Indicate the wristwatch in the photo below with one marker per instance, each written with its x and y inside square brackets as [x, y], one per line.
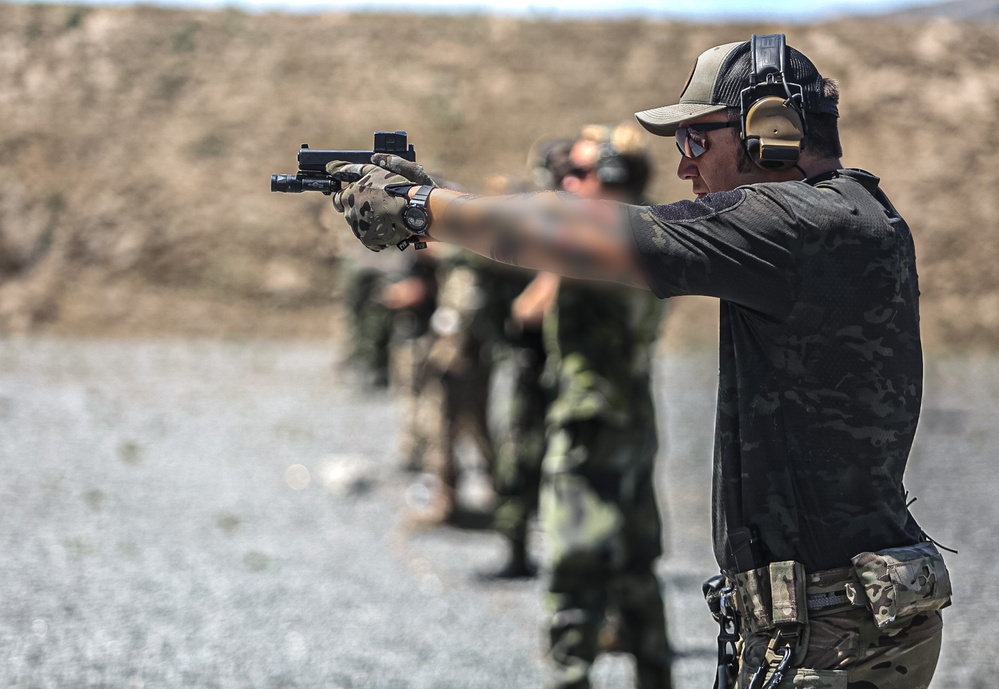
[416, 216]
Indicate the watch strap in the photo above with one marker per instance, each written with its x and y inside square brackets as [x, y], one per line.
[421, 196]
[419, 200]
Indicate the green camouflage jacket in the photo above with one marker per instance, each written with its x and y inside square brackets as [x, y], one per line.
[599, 343]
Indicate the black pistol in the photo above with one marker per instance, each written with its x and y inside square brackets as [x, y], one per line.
[312, 164]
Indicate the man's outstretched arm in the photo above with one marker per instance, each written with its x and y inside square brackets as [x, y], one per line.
[548, 231]
[558, 233]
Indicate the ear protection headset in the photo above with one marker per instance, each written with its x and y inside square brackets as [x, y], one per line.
[771, 108]
[610, 166]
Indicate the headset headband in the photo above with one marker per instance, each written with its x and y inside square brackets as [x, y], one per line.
[769, 54]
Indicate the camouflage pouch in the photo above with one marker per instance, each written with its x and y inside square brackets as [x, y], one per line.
[772, 596]
[753, 589]
[904, 581]
[789, 604]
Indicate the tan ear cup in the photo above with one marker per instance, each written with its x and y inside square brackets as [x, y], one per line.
[773, 133]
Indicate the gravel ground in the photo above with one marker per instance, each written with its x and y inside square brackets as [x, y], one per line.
[178, 514]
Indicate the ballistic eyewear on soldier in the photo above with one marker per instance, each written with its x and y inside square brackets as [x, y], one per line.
[691, 140]
[580, 172]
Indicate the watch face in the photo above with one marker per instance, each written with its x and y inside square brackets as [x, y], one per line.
[415, 218]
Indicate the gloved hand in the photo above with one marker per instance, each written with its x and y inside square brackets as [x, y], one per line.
[372, 201]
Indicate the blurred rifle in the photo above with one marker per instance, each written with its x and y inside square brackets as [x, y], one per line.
[312, 164]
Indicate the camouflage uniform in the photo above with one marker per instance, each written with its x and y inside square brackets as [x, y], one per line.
[598, 507]
[409, 362]
[819, 392]
[517, 477]
[454, 382]
[370, 321]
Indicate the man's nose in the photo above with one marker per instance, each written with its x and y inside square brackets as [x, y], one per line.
[687, 169]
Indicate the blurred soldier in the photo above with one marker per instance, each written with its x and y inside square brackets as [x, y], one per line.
[370, 322]
[413, 300]
[517, 477]
[362, 278]
[454, 383]
[598, 506]
[451, 367]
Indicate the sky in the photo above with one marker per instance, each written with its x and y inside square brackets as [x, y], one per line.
[693, 10]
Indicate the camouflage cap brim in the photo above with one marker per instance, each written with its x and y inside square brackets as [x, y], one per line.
[665, 120]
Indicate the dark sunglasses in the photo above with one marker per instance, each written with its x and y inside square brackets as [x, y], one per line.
[579, 172]
[691, 140]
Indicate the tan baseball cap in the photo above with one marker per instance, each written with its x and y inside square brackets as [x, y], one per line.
[718, 77]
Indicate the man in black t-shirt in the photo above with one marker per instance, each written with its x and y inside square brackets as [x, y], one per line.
[820, 359]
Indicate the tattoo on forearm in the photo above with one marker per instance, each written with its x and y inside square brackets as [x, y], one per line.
[556, 232]
[505, 249]
[500, 220]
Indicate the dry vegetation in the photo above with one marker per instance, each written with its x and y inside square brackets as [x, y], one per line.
[136, 146]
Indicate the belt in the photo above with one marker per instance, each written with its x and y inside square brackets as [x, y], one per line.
[833, 590]
[800, 595]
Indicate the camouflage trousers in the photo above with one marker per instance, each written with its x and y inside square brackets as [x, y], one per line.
[603, 532]
[517, 478]
[449, 394]
[409, 372]
[374, 335]
[370, 323]
[846, 650]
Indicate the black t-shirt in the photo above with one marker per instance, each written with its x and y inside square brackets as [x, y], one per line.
[820, 376]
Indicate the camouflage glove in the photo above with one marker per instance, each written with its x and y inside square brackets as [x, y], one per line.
[400, 166]
[372, 201]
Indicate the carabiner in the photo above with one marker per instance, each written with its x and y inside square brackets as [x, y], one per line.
[761, 673]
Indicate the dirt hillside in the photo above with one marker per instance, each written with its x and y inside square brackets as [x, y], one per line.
[136, 146]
